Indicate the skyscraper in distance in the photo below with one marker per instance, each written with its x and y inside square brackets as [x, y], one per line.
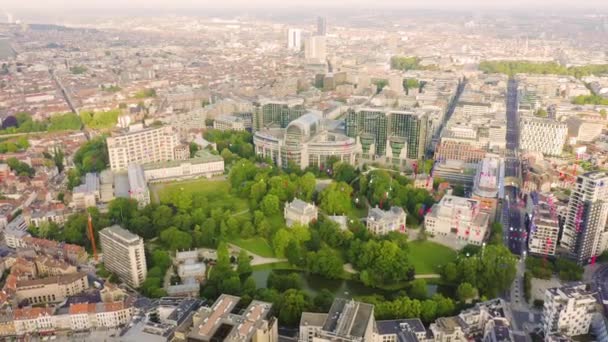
[315, 49]
[294, 39]
[321, 26]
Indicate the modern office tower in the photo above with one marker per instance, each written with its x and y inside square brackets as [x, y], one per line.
[585, 234]
[315, 49]
[294, 39]
[458, 217]
[123, 254]
[305, 142]
[142, 145]
[395, 135]
[321, 26]
[489, 176]
[277, 114]
[382, 222]
[347, 320]
[542, 135]
[568, 310]
[544, 230]
[138, 186]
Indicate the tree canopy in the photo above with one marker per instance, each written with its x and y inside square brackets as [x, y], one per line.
[552, 68]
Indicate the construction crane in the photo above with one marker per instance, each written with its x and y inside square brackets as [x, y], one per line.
[92, 236]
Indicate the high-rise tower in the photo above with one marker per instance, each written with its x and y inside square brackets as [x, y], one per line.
[321, 26]
[585, 234]
[294, 39]
[123, 254]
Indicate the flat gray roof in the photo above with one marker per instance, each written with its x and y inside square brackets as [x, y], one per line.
[121, 233]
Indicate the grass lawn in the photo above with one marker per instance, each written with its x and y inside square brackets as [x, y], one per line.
[216, 189]
[358, 212]
[277, 221]
[426, 256]
[256, 245]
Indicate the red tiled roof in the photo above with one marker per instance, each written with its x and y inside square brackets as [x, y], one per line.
[31, 313]
[81, 308]
[116, 306]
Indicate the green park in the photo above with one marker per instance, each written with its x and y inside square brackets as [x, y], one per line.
[302, 267]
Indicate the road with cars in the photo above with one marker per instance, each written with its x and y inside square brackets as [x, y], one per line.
[514, 231]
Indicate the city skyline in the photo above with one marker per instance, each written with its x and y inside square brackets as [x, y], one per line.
[303, 171]
[144, 5]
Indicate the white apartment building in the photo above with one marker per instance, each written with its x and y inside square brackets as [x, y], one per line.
[315, 49]
[33, 320]
[84, 316]
[14, 232]
[542, 135]
[585, 233]
[138, 187]
[300, 212]
[294, 39]
[229, 123]
[382, 222]
[142, 145]
[347, 320]
[459, 218]
[447, 329]
[568, 310]
[400, 330]
[123, 254]
[51, 289]
[544, 231]
[253, 324]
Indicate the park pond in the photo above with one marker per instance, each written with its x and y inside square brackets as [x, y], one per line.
[313, 284]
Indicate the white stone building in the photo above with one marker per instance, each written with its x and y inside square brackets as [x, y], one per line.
[459, 218]
[202, 165]
[382, 222]
[299, 212]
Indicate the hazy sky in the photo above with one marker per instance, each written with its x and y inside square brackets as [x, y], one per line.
[58, 5]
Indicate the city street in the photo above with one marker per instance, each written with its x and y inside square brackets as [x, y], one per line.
[600, 280]
[514, 231]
